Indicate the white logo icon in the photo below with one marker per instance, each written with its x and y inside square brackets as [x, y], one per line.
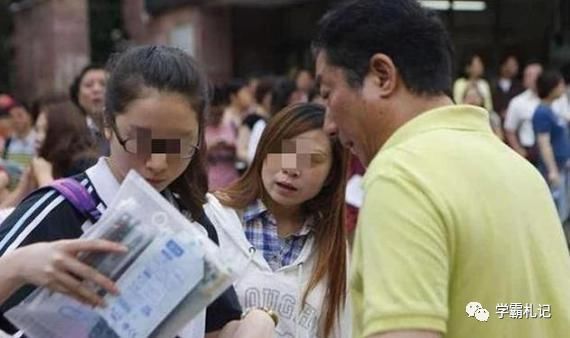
[472, 307]
[482, 315]
[475, 309]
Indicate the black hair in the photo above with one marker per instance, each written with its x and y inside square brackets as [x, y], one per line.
[234, 86]
[29, 109]
[281, 94]
[76, 84]
[264, 87]
[546, 83]
[505, 57]
[467, 61]
[353, 32]
[165, 69]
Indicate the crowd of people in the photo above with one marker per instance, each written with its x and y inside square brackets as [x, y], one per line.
[365, 200]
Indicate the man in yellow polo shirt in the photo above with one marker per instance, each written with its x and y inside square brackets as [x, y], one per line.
[458, 235]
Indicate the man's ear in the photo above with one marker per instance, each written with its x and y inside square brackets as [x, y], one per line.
[384, 73]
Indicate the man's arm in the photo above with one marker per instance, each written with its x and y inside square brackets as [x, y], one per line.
[513, 141]
[547, 156]
[407, 334]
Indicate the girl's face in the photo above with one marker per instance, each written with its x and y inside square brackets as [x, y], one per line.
[41, 130]
[92, 91]
[476, 67]
[298, 173]
[159, 130]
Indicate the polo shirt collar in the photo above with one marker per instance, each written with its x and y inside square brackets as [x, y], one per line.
[103, 181]
[451, 117]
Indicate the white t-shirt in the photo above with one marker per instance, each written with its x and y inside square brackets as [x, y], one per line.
[520, 111]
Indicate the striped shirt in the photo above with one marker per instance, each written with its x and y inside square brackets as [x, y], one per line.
[47, 216]
[261, 232]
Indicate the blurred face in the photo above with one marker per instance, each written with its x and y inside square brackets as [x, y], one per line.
[21, 119]
[350, 110]
[243, 98]
[92, 91]
[305, 81]
[298, 173]
[157, 128]
[531, 73]
[476, 68]
[510, 68]
[558, 91]
[41, 130]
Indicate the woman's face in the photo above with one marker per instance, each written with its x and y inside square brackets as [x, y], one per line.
[160, 129]
[92, 91]
[41, 130]
[476, 68]
[298, 173]
[244, 98]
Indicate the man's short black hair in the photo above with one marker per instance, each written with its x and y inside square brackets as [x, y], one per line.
[546, 83]
[413, 37]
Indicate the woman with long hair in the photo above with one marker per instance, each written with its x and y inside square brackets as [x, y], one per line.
[284, 221]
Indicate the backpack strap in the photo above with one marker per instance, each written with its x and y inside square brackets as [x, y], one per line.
[78, 196]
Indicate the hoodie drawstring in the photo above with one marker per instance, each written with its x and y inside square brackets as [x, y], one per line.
[300, 305]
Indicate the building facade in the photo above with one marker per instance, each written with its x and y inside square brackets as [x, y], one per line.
[53, 39]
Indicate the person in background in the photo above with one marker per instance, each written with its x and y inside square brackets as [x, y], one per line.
[240, 100]
[87, 92]
[507, 85]
[565, 70]
[553, 140]
[5, 119]
[474, 70]
[518, 119]
[64, 148]
[260, 114]
[305, 83]
[20, 148]
[283, 94]
[475, 98]
[220, 142]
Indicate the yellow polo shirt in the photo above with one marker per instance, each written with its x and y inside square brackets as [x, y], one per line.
[452, 216]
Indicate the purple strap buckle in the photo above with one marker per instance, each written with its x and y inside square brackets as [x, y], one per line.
[78, 196]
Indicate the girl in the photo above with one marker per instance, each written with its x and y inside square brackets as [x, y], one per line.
[474, 97]
[285, 217]
[156, 96]
[473, 74]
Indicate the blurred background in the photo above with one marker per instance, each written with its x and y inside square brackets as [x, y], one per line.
[257, 55]
[45, 43]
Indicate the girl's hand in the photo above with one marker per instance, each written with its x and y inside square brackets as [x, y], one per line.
[55, 266]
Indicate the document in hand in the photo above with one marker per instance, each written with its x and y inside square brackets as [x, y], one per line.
[170, 273]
